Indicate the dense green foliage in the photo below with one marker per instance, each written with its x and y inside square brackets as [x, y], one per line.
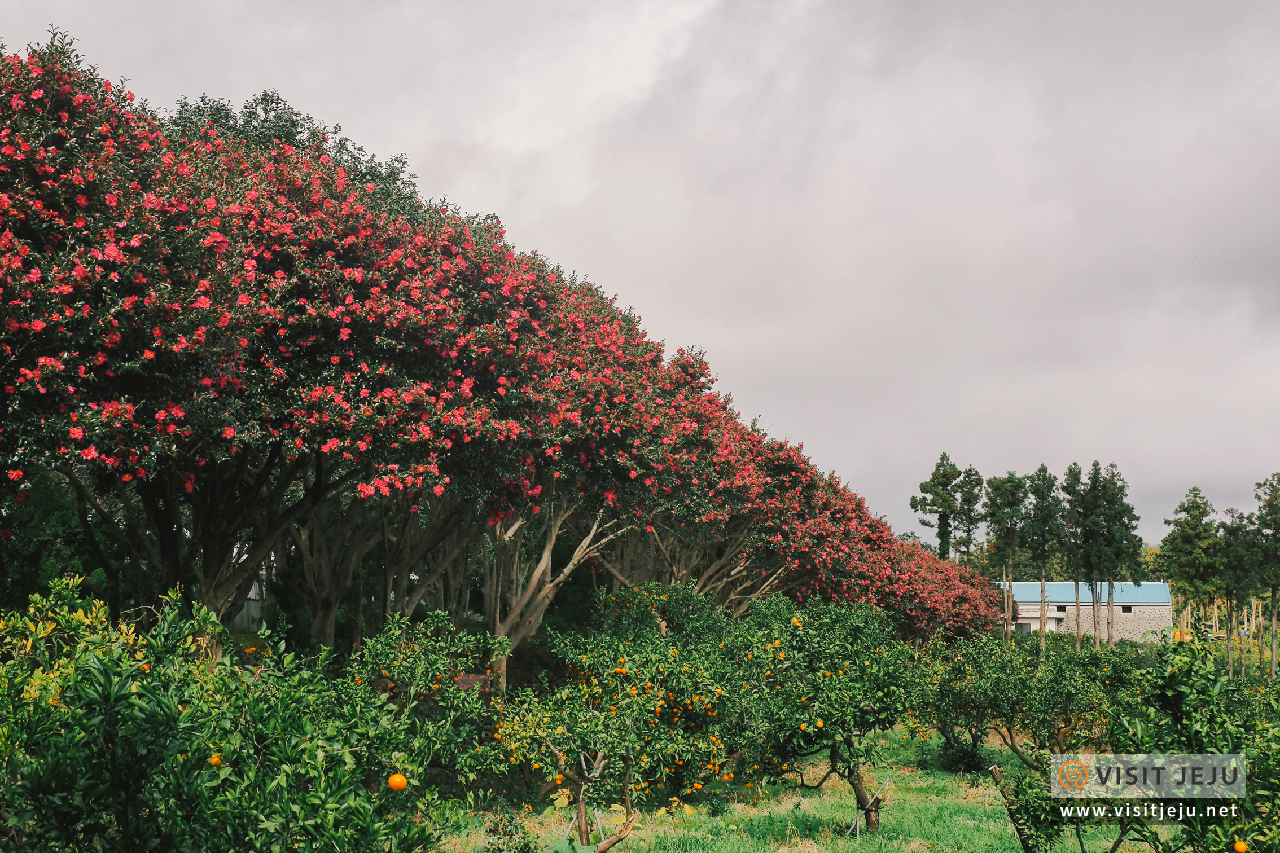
[1186, 704]
[115, 739]
[175, 738]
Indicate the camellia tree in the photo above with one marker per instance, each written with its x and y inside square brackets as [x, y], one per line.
[209, 341]
[254, 355]
[707, 533]
[606, 417]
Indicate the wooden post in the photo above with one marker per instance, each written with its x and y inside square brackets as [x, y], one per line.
[1259, 629]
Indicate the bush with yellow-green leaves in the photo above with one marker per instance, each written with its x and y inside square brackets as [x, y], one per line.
[112, 738]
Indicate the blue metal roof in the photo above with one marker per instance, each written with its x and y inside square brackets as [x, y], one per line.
[1064, 592]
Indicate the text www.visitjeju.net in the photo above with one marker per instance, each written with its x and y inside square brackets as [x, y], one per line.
[1153, 811]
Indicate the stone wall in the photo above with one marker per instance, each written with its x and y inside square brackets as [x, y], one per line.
[1128, 626]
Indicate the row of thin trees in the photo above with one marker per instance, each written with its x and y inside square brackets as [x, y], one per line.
[1225, 568]
[1080, 528]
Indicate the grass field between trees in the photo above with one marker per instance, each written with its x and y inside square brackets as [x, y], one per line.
[927, 809]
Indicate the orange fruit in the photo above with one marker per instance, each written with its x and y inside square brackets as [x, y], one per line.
[215, 760]
[1241, 847]
[397, 782]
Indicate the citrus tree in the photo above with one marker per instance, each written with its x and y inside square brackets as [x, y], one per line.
[641, 714]
[1186, 704]
[118, 740]
[816, 680]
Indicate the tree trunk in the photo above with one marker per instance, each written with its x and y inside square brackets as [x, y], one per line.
[869, 808]
[1258, 629]
[520, 583]
[580, 812]
[997, 775]
[322, 623]
[1078, 625]
[357, 638]
[331, 544]
[944, 536]
[1008, 600]
[110, 568]
[1111, 613]
[1044, 616]
[1097, 616]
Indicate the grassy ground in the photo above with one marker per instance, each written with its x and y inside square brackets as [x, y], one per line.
[926, 809]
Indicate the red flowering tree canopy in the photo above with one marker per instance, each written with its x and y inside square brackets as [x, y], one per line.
[219, 332]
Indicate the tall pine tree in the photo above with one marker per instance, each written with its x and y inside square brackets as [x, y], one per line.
[936, 502]
[1005, 510]
[1044, 530]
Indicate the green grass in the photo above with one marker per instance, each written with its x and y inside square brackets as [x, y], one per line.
[926, 810]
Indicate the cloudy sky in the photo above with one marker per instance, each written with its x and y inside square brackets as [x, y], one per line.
[1017, 232]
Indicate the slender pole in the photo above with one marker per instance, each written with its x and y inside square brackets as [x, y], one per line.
[1272, 633]
[1258, 629]
[1231, 668]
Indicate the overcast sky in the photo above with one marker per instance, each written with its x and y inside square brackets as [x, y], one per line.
[1017, 232]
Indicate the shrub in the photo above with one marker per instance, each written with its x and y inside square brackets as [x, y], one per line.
[1183, 704]
[119, 740]
[505, 832]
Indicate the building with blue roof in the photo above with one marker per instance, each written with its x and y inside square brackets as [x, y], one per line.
[1141, 611]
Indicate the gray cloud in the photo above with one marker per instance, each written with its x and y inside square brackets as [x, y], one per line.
[1017, 232]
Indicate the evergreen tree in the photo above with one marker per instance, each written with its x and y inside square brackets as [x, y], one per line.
[1189, 551]
[968, 517]
[1073, 518]
[1119, 548]
[1005, 511]
[1238, 566]
[937, 500]
[1268, 495]
[1044, 530]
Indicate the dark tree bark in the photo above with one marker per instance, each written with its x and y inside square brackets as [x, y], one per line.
[869, 806]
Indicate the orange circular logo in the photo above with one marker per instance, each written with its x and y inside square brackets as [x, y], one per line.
[1073, 775]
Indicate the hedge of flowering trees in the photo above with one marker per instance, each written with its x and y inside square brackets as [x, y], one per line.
[248, 354]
